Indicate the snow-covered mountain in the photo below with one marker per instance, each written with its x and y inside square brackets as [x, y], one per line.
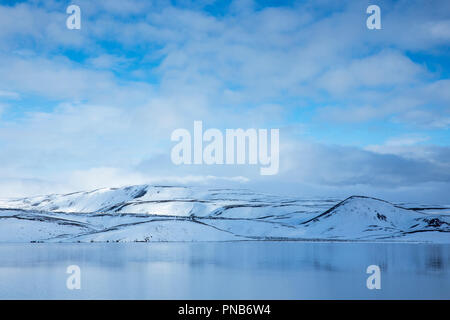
[168, 213]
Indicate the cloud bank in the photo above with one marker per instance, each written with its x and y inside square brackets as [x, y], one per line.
[358, 111]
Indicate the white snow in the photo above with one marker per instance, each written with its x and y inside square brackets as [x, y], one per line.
[165, 213]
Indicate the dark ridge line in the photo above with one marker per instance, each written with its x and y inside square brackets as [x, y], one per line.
[205, 224]
[48, 212]
[345, 200]
[428, 208]
[50, 220]
[118, 227]
[246, 219]
[167, 218]
[422, 230]
[91, 191]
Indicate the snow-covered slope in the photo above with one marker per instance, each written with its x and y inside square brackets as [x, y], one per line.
[369, 218]
[167, 213]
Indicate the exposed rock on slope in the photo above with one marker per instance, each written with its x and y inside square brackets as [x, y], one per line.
[165, 213]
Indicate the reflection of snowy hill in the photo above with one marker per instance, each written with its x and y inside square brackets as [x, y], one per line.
[164, 213]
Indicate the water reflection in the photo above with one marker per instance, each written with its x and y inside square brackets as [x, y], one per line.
[239, 270]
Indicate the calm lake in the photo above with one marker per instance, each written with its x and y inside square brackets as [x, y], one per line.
[225, 270]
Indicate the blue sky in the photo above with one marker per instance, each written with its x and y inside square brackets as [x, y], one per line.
[359, 111]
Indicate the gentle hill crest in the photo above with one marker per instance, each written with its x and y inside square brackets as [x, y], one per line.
[172, 213]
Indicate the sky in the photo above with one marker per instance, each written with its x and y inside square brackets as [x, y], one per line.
[360, 111]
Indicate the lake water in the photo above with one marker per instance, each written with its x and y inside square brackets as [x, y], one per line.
[225, 270]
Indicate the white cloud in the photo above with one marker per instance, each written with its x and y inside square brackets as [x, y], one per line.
[440, 29]
[388, 167]
[108, 61]
[2, 108]
[385, 69]
[247, 67]
[9, 95]
[59, 78]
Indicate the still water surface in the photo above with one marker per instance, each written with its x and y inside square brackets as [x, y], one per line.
[225, 270]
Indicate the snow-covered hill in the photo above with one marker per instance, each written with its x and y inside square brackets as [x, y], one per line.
[168, 213]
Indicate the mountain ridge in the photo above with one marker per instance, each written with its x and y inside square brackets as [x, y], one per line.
[179, 213]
